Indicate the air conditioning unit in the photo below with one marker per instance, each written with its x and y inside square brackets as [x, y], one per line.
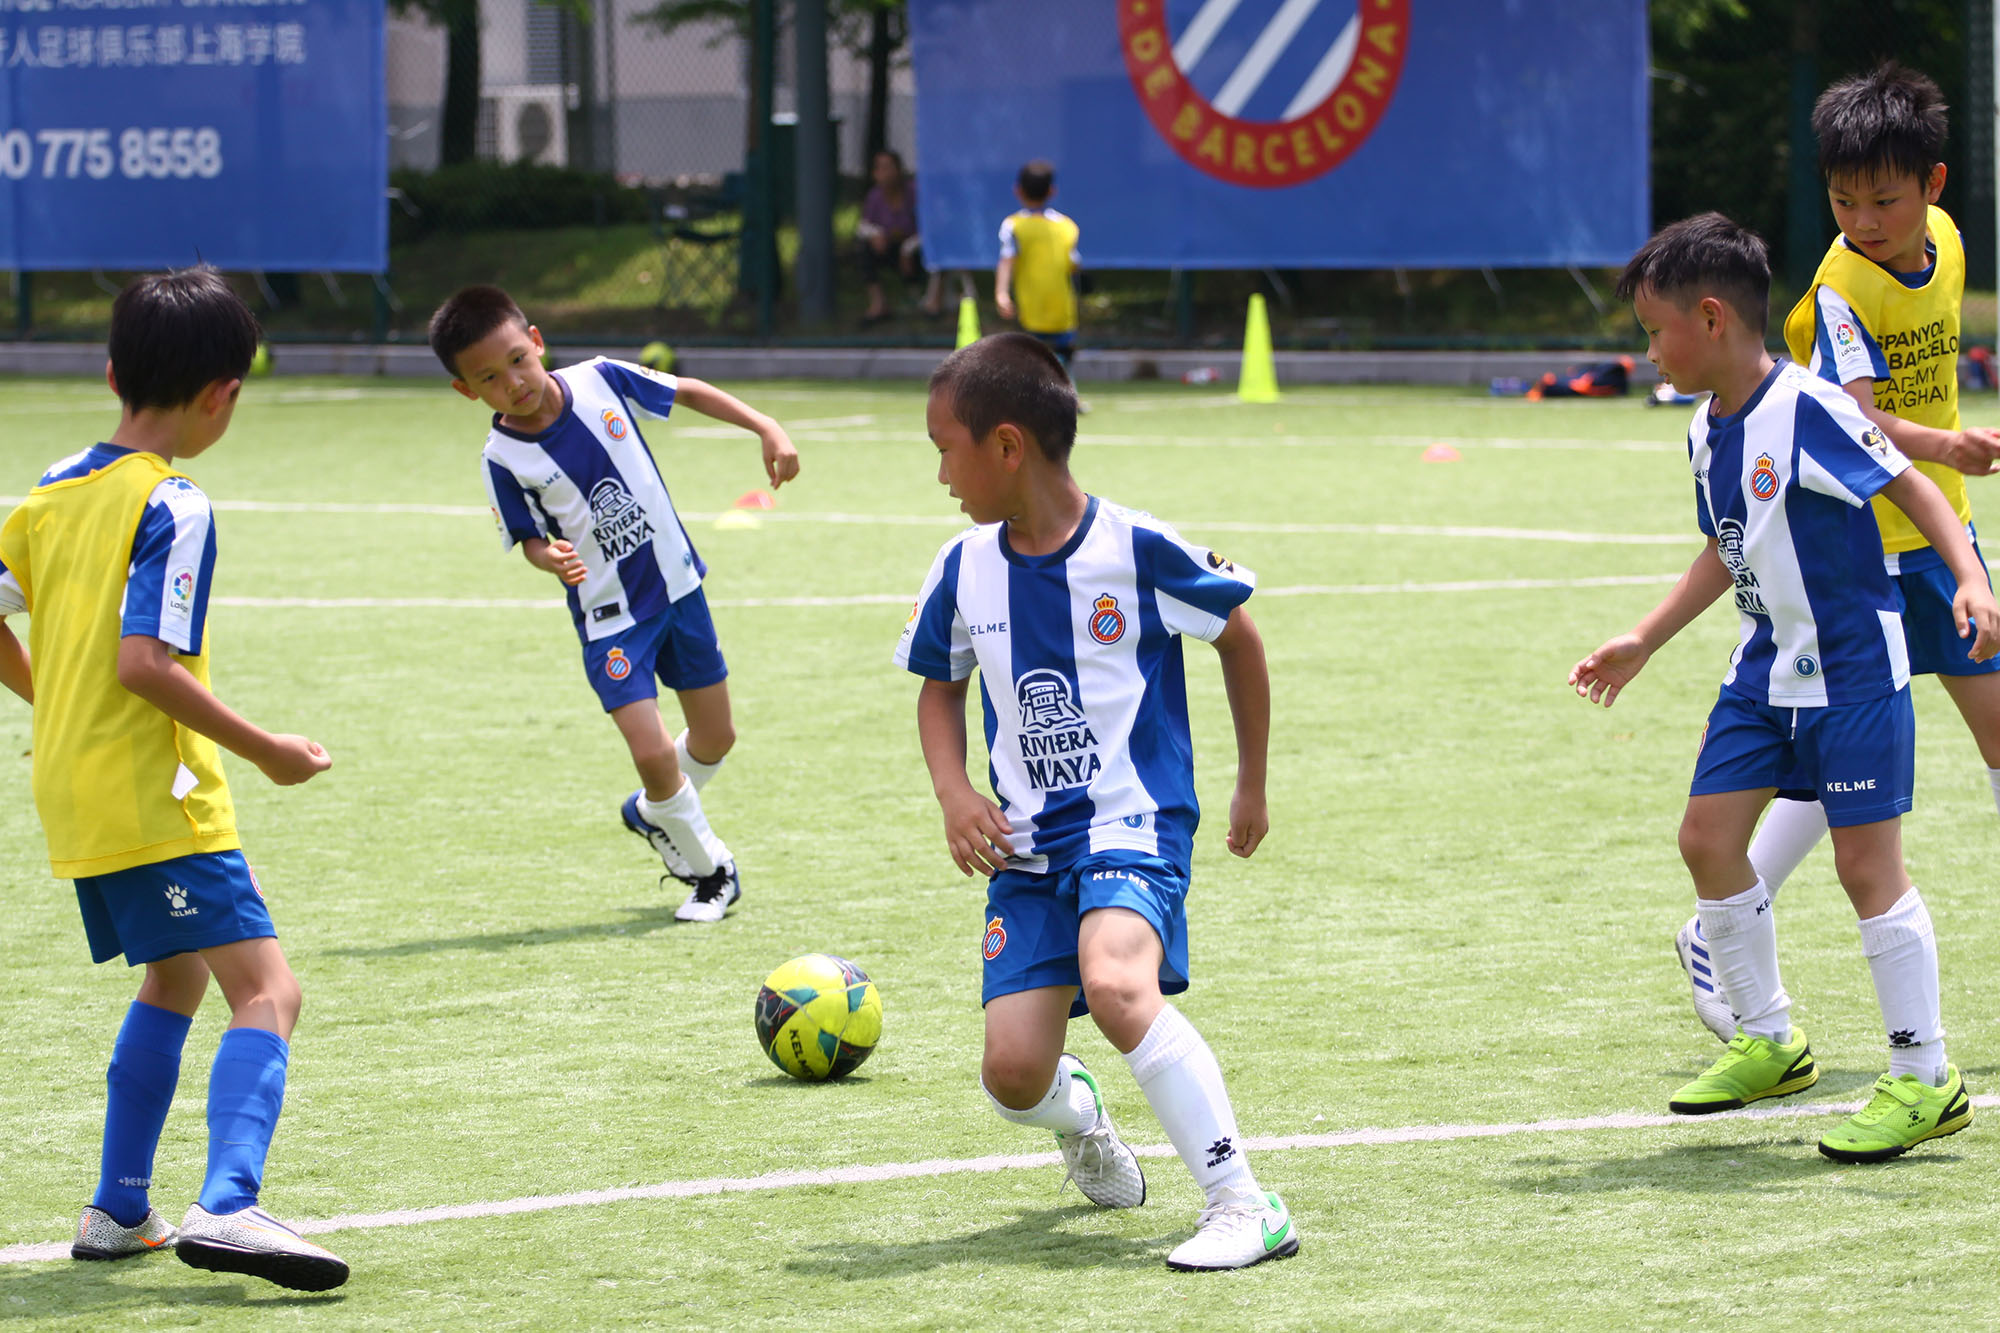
[530, 124]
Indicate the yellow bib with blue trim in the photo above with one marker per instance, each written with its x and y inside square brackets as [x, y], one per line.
[1917, 330]
[117, 782]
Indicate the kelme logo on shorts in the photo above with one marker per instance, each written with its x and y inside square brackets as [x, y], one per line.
[1231, 132]
[996, 939]
[617, 665]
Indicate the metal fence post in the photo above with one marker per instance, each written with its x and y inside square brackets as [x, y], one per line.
[815, 166]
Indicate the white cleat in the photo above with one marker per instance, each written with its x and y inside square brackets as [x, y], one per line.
[252, 1241]
[657, 838]
[711, 896]
[98, 1235]
[1100, 1163]
[1236, 1234]
[1691, 947]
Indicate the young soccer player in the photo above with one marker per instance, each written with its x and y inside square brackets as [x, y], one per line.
[111, 556]
[1072, 609]
[572, 481]
[1036, 275]
[1881, 321]
[1817, 697]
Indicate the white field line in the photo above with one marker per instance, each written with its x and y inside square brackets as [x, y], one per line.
[41, 1252]
[900, 599]
[1089, 439]
[1562, 535]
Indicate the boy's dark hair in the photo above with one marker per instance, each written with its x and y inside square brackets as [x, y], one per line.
[1011, 377]
[468, 315]
[1036, 180]
[174, 334]
[1891, 119]
[1705, 255]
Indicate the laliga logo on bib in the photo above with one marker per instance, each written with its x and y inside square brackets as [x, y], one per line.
[1299, 98]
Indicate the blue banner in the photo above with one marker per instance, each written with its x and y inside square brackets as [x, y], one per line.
[1289, 133]
[140, 134]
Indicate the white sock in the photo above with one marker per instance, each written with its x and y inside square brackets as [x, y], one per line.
[1070, 1107]
[1183, 1085]
[1742, 935]
[1993, 780]
[1901, 950]
[697, 772]
[681, 816]
[1789, 831]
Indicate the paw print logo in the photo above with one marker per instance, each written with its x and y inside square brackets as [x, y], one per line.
[177, 897]
[1903, 1037]
[1916, 1116]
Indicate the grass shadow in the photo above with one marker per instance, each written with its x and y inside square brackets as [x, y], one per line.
[1712, 1169]
[1032, 1240]
[62, 1289]
[640, 921]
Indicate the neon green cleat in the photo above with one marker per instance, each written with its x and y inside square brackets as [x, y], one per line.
[1902, 1113]
[1752, 1069]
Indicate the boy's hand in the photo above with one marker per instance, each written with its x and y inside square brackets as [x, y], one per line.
[1610, 669]
[562, 561]
[1005, 304]
[781, 459]
[293, 759]
[1249, 820]
[975, 832]
[1978, 618]
[1973, 451]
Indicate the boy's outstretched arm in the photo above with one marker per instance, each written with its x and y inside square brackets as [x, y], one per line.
[781, 460]
[975, 829]
[146, 666]
[1973, 450]
[1247, 681]
[14, 671]
[1600, 676]
[1973, 607]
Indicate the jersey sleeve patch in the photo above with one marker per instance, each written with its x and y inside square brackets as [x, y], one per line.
[1843, 348]
[1841, 453]
[1195, 587]
[936, 642]
[173, 563]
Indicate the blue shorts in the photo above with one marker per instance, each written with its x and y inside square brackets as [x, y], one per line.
[1857, 760]
[156, 911]
[1935, 648]
[678, 646]
[1032, 920]
[1062, 344]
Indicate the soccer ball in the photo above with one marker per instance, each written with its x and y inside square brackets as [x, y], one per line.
[656, 356]
[818, 1017]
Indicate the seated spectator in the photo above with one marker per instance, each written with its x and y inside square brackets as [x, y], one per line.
[888, 235]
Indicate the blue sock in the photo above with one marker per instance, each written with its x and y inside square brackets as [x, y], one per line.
[246, 1089]
[145, 1069]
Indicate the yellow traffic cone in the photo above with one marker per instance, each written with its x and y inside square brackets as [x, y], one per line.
[1259, 381]
[968, 322]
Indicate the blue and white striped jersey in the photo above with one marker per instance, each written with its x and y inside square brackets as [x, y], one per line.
[1783, 486]
[590, 480]
[1080, 677]
[173, 557]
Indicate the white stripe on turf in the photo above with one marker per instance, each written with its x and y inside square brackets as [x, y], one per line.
[902, 598]
[868, 1175]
